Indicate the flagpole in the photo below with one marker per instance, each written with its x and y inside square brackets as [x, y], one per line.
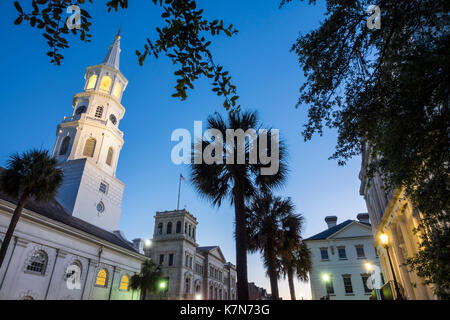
[179, 189]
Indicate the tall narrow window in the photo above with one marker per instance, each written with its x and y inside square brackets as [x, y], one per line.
[64, 146]
[117, 90]
[329, 286]
[161, 259]
[364, 278]
[105, 84]
[160, 228]
[38, 262]
[169, 228]
[171, 259]
[109, 157]
[89, 147]
[178, 230]
[347, 284]
[102, 278]
[92, 82]
[99, 112]
[124, 283]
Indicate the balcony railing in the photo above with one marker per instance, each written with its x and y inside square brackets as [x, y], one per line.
[86, 117]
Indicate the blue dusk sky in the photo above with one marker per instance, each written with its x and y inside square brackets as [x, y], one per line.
[37, 95]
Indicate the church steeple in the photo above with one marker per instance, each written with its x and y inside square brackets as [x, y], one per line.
[113, 56]
[88, 144]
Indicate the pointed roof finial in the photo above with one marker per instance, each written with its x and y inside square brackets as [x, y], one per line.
[113, 56]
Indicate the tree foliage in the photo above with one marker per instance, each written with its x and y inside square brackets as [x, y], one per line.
[389, 88]
[147, 280]
[183, 38]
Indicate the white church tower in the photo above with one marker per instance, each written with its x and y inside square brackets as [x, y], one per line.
[88, 145]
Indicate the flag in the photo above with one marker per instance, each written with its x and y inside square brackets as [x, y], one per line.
[182, 178]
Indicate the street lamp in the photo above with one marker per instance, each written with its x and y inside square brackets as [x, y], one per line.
[198, 297]
[326, 278]
[148, 243]
[385, 241]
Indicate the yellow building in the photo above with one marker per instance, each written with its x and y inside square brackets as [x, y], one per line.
[393, 215]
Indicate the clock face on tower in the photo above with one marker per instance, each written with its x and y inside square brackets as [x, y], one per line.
[113, 119]
[100, 207]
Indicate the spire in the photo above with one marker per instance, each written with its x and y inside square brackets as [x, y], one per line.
[113, 56]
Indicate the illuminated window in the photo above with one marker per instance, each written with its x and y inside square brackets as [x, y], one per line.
[89, 147]
[124, 283]
[92, 82]
[38, 262]
[102, 278]
[99, 112]
[105, 84]
[117, 90]
[109, 157]
[64, 146]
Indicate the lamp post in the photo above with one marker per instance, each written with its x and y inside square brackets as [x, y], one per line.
[385, 240]
[162, 286]
[371, 270]
[326, 278]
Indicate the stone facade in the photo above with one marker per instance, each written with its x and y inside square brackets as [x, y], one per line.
[193, 272]
[393, 214]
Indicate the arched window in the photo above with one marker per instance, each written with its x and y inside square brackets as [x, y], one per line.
[109, 157]
[105, 84]
[102, 278]
[169, 228]
[73, 270]
[64, 146]
[189, 230]
[99, 112]
[124, 283]
[92, 82]
[160, 228]
[38, 262]
[89, 147]
[80, 110]
[117, 90]
[178, 227]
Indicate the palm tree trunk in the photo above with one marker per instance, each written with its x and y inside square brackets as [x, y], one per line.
[273, 276]
[290, 274]
[12, 226]
[241, 244]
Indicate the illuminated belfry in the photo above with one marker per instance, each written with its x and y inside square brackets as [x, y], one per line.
[88, 145]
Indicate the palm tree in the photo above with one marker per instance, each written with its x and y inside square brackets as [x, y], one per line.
[267, 218]
[237, 182]
[34, 174]
[295, 256]
[148, 279]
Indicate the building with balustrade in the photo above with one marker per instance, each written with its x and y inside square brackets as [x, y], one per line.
[392, 213]
[192, 271]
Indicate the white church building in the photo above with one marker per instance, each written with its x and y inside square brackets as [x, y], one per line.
[70, 247]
